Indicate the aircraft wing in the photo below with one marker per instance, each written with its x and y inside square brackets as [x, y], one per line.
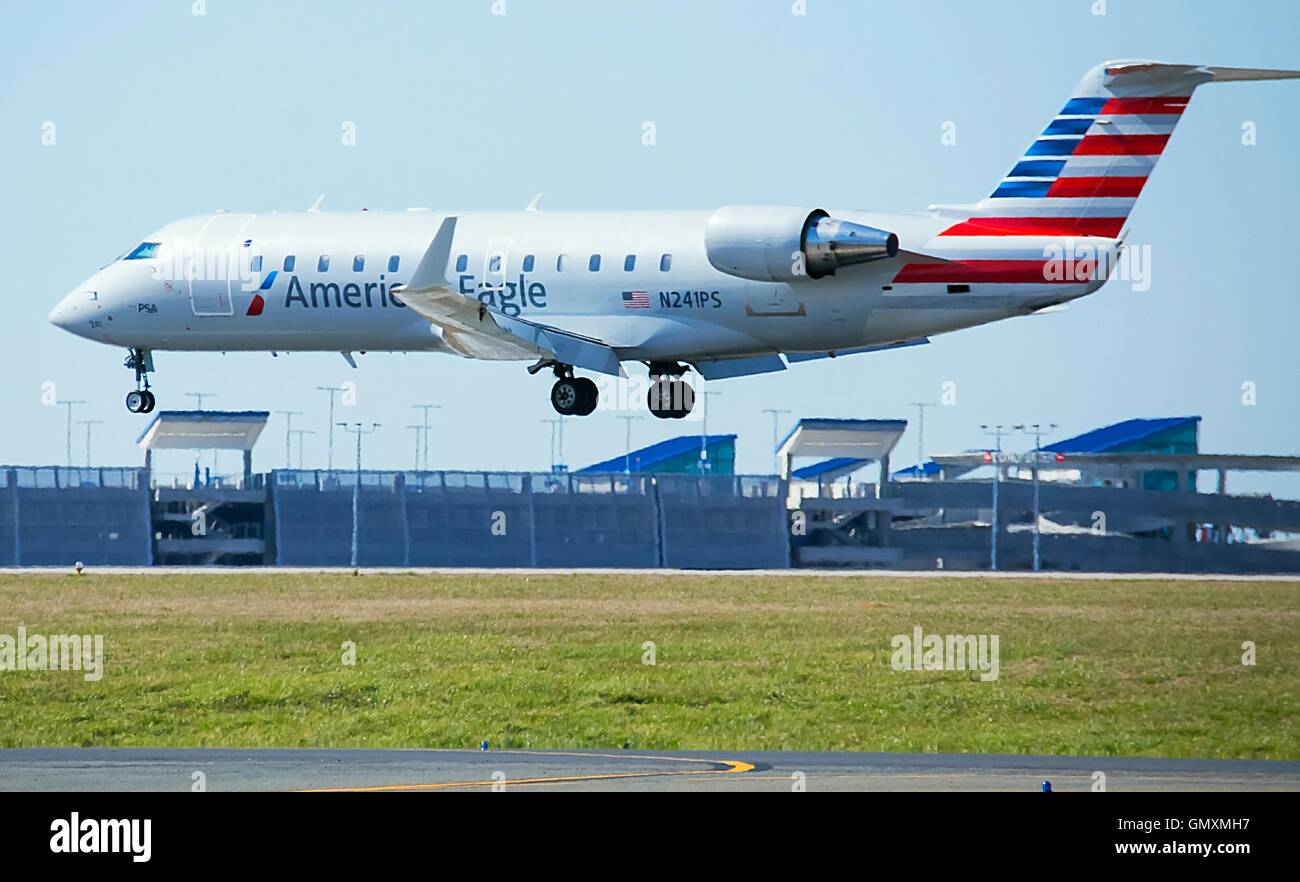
[474, 330]
[462, 324]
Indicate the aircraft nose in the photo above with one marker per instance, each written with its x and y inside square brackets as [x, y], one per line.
[70, 312]
[61, 316]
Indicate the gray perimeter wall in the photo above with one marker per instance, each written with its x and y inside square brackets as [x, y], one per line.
[486, 519]
[55, 516]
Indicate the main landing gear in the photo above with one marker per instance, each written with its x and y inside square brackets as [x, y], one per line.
[141, 400]
[571, 396]
[670, 397]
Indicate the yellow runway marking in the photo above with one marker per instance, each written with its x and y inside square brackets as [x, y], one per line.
[733, 767]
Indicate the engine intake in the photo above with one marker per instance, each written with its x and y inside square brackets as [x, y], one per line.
[779, 244]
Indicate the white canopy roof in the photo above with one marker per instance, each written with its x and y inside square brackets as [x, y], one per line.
[859, 439]
[204, 430]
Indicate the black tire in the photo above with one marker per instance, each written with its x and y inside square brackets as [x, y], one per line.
[149, 402]
[590, 396]
[566, 396]
[135, 402]
[683, 400]
[658, 399]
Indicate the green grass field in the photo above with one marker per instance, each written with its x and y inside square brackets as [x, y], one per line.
[555, 661]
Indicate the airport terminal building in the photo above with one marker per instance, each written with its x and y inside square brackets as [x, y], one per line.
[1121, 498]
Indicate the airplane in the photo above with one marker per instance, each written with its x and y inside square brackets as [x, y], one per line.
[738, 291]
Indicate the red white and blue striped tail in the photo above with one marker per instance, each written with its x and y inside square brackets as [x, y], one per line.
[1084, 173]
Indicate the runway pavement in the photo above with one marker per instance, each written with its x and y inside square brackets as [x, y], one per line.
[130, 769]
[1050, 576]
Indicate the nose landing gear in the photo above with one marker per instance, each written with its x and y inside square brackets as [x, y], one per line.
[141, 400]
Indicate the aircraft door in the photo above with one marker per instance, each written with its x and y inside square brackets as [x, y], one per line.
[214, 271]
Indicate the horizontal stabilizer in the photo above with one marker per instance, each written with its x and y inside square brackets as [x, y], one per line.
[1231, 74]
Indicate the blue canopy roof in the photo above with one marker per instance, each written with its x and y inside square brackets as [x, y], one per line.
[1121, 434]
[647, 457]
[929, 469]
[829, 468]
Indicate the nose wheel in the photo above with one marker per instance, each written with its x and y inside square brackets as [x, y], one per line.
[141, 400]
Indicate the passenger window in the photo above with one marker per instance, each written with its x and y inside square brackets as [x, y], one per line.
[358, 263]
[528, 263]
[494, 264]
[289, 262]
[665, 263]
[143, 251]
[594, 263]
[629, 263]
[255, 264]
[393, 263]
[562, 263]
[462, 262]
[323, 265]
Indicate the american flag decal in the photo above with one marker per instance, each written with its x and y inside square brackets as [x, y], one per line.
[636, 300]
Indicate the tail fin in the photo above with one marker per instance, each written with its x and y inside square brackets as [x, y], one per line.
[1083, 174]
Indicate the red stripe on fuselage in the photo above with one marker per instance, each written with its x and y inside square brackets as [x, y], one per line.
[1088, 187]
[1107, 227]
[1167, 105]
[1034, 272]
[1121, 145]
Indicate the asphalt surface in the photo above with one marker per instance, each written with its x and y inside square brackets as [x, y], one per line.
[1049, 576]
[131, 769]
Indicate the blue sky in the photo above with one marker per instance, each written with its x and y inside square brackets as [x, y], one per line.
[160, 113]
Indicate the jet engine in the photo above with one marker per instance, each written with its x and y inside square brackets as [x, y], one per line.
[778, 244]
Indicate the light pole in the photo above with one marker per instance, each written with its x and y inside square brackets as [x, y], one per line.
[88, 424]
[1036, 430]
[418, 428]
[425, 425]
[332, 390]
[704, 431]
[996, 431]
[69, 405]
[300, 433]
[288, 432]
[553, 423]
[356, 429]
[627, 443]
[776, 416]
[920, 436]
[199, 396]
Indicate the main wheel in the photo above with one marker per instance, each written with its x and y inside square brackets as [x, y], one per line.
[590, 396]
[670, 399]
[149, 401]
[135, 401]
[566, 396]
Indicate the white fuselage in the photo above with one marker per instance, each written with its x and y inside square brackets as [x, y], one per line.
[538, 265]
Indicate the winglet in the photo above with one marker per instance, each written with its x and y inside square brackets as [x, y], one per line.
[315, 206]
[532, 206]
[432, 271]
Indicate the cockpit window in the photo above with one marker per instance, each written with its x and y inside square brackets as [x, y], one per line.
[143, 251]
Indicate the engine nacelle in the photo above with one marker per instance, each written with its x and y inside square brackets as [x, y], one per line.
[780, 244]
